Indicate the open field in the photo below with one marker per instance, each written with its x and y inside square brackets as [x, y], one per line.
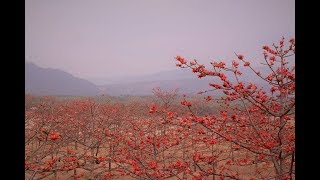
[81, 138]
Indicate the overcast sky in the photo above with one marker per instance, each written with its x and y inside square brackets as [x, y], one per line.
[106, 38]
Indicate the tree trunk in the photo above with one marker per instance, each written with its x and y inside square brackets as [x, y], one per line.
[55, 167]
[75, 169]
[91, 164]
[110, 157]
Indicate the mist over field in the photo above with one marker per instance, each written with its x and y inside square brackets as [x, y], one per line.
[48, 81]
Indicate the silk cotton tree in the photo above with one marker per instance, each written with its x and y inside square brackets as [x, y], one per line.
[259, 121]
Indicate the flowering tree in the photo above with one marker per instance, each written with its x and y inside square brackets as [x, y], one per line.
[258, 123]
[43, 138]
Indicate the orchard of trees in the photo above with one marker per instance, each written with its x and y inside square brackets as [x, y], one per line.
[247, 133]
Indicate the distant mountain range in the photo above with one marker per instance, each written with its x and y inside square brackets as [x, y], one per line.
[47, 81]
[176, 74]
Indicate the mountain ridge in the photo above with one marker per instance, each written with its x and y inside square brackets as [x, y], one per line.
[49, 81]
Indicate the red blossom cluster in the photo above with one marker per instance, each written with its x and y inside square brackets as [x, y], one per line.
[54, 135]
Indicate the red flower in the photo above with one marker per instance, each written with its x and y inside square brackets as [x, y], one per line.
[223, 112]
[153, 109]
[54, 136]
[201, 75]
[240, 56]
[272, 58]
[273, 89]
[246, 64]
[179, 164]
[213, 141]
[217, 86]
[272, 51]
[222, 76]
[153, 164]
[292, 40]
[181, 59]
[192, 63]
[265, 54]
[265, 48]
[195, 70]
[186, 103]
[270, 144]
[235, 64]
[219, 65]
[281, 43]
[178, 58]
[270, 77]
[238, 72]
[226, 84]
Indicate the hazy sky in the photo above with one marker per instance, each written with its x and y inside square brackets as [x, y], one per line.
[104, 38]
